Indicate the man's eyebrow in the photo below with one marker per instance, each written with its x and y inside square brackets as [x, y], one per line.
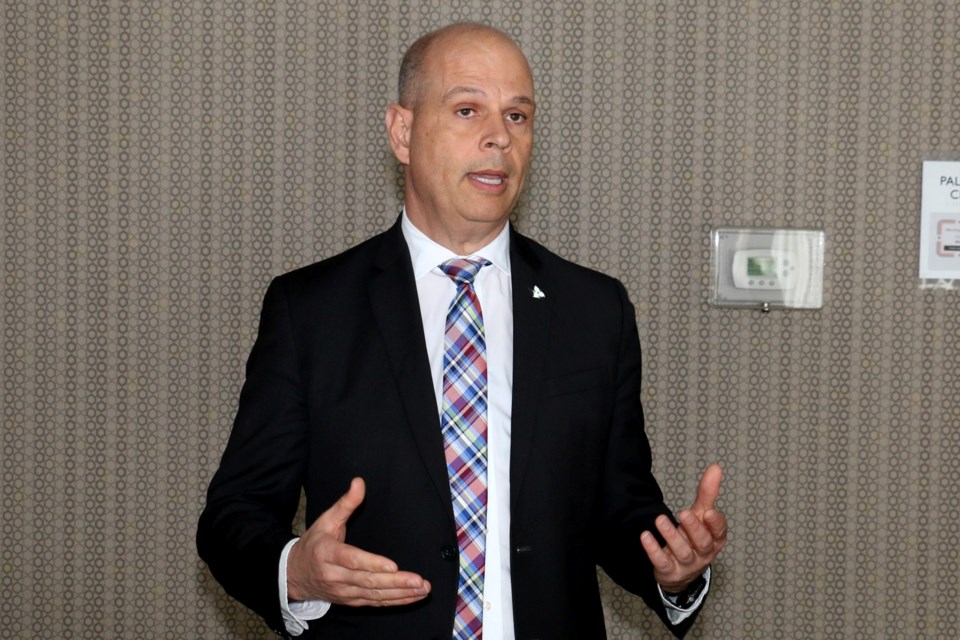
[454, 91]
[474, 91]
[525, 100]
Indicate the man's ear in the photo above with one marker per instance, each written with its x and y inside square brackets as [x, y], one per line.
[398, 120]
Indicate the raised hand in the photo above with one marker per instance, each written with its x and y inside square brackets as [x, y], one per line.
[322, 567]
[695, 544]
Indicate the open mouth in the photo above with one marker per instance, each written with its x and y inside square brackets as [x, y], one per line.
[486, 179]
[493, 180]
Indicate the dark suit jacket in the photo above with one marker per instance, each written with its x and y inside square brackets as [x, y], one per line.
[338, 385]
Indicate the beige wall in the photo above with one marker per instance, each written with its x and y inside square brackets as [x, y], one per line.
[162, 160]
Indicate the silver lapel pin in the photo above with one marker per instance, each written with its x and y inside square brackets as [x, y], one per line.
[537, 293]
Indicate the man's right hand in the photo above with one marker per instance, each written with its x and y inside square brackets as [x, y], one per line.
[322, 567]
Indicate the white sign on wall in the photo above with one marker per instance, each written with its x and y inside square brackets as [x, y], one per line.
[940, 221]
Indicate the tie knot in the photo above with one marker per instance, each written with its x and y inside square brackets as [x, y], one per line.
[463, 270]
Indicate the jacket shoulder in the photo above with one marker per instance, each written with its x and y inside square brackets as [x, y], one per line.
[346, 269]
[561, 269]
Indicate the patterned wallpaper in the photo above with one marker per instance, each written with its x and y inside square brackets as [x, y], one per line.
[163, 159]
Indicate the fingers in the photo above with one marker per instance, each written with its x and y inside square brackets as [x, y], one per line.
[659, 558]
[709, 489]
[681, 545]
[354, 559]
[695, 543]
[668, 570]
[703, 537]
[335, 518]
[696, 533]
[321, 566]
[689, 548]
[372, 588]
[677, 552]
[717, 524]
[705, 505]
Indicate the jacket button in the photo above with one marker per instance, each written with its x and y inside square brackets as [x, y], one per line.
[448, 553]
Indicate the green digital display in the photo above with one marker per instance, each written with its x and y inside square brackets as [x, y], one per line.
[761, 266]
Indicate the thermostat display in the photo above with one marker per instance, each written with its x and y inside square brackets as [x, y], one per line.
[761, 266]
[770, 269]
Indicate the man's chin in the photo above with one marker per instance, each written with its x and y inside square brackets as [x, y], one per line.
[493, 219]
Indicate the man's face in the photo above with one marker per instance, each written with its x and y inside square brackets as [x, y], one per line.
[468, 139]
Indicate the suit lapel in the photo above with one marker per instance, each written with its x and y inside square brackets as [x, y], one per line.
[532, 310]
[393, 297]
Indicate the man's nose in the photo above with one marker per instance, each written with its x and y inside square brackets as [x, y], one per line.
[496, 134]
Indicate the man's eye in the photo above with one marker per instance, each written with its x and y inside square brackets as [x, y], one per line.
[465, 112]
[516, 117]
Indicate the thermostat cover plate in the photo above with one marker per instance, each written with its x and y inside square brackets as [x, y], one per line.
[767, 268]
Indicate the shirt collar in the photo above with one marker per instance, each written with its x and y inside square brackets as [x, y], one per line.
[426, 255]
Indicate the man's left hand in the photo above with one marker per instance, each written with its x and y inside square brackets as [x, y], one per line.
[693, 545]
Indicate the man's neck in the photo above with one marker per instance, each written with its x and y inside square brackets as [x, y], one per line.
[462, 242]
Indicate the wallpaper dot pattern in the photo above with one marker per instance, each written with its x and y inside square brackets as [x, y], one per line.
[162, 160]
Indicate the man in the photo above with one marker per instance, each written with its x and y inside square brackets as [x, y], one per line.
[490, 520]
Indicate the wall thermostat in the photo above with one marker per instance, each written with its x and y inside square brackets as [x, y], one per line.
[767, 268]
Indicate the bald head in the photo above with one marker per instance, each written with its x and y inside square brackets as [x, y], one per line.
[410, 81]
[463, 130]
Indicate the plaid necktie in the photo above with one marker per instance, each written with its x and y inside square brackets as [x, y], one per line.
[464, 422]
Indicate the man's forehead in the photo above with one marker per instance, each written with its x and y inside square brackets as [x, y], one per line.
[471, 47]
[469, 67]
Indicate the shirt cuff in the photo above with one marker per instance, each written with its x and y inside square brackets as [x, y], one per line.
[675, 614]
[296, 614]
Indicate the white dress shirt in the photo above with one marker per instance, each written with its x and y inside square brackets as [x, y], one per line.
[435, 291]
